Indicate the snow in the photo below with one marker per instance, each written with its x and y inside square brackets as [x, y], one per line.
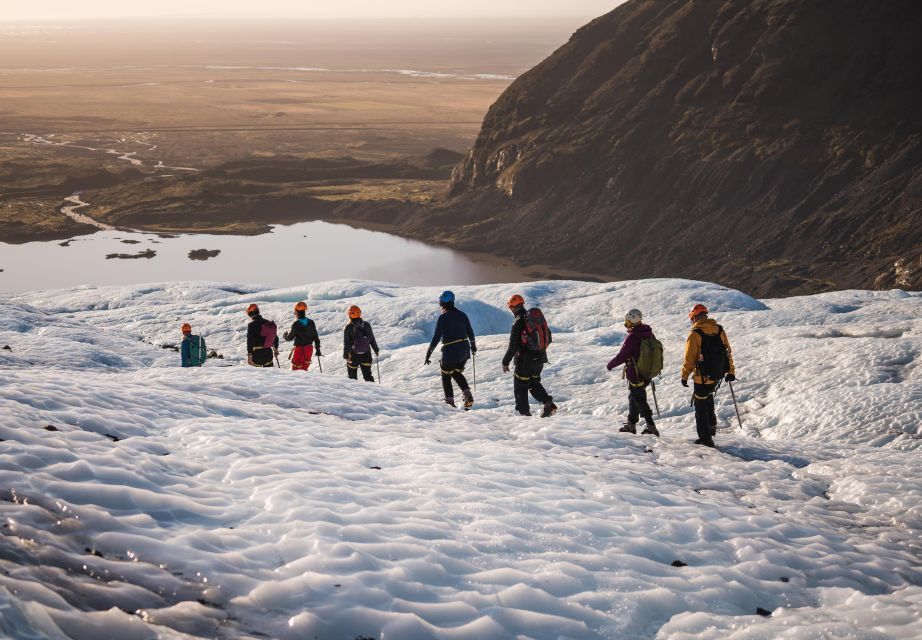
[142, 500]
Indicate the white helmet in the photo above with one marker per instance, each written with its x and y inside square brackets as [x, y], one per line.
[634, 316]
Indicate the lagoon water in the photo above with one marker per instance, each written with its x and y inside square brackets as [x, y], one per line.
[288, 256]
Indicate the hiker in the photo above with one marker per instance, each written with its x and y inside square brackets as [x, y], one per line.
[304, 334]
[192, 350]
[358, 343]
[454, 331]
[638, 378]
[528, 342]
[708, 356]
[262, 339]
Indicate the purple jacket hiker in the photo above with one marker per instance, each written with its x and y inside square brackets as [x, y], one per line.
[630, 351]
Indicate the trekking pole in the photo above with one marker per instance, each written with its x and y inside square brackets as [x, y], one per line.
[378, 365]
[320, 364]
[733, 395]
[277, 360]
[474, 356]
[655, 403]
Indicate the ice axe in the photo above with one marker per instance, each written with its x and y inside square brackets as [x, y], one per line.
[320, 363]
[474, 356]
[655, 403]
[378, 366]
[735, 406]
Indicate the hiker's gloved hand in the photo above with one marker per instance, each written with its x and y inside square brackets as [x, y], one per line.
[319, 355]
[505, 368]
[684, 382]
[286, 337]
[473, 348]
[377, 353]
[428, 355]
[250, 361]
[730, 377]
[275, 350]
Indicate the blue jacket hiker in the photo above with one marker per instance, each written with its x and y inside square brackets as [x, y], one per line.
[454, 331]
[192, 351]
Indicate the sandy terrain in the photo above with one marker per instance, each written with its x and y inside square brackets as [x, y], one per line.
[137, 118]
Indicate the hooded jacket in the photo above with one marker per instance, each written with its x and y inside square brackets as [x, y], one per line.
[709, 327]
[304, 332]
[630, 352]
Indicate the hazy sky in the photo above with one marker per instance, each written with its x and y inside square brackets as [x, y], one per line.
[73, 9]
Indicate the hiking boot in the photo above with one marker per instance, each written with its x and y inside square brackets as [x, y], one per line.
[549, 409]
[527, 414]
[629, 427]
[450, 402]
[706, 443]
[468, 399]
[650, 430]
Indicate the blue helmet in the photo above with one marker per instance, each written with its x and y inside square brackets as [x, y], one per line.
[447, 297]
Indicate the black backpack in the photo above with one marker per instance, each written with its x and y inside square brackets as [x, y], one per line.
[360, 339]
[713, 361]
[536, 336]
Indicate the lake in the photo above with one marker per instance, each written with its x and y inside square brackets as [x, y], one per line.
[288, 256]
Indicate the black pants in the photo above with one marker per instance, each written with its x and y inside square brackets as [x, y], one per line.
[263, 358]
[705, 418]
[453, 371]
[357, 360]
[527, 379]
[637, 404]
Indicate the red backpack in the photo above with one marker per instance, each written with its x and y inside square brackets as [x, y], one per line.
[537, 335]
[268, 331]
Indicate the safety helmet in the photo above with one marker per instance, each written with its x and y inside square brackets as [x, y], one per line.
[515, 301]
[301, 306]
[447, 297]
[252, 310]
[632, 317]
[696, 311]
[186, 328]
[355, 312]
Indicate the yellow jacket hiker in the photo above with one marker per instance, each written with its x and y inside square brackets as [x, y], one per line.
[709, 360]
[709, 327]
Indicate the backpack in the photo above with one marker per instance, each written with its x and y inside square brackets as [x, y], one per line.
[269, 332]
[360, 339]
[649, 363]
[713, 361]
[537, 335]
[197, 351]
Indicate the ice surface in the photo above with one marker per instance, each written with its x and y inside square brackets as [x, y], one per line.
[141, 500]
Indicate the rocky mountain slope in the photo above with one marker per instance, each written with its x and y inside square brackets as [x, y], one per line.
[771, 145]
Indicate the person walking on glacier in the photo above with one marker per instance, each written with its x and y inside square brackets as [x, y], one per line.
[192, 350]
[358, 343]
[709, 359]
[529, 339]
[262, 339]
[642, 357]
[453, 329]
[303, 333]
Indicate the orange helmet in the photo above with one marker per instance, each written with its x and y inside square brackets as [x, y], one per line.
[355, 312]
[696, 311]
[252, 310]
[515, 301]
[301, 306]
[187, 328]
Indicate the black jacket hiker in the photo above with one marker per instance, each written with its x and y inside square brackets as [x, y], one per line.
[261, 355]
[358, 343]
[304, 333]
[528, 368]
[453, 329]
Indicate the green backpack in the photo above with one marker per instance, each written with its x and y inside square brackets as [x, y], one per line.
[650, 362]
[197, 351]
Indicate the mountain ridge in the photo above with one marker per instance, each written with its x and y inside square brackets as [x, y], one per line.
[774, 146]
